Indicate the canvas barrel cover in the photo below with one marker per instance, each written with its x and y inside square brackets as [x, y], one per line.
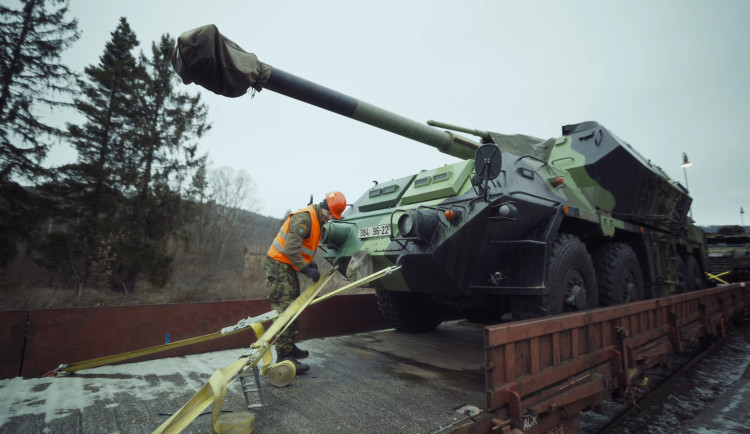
[206, 57]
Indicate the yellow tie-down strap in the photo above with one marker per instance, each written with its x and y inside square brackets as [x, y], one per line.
[717, 277]
[215, 389]
[241, 326]
[108, 360]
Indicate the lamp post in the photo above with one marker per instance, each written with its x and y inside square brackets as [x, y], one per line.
[685, 164]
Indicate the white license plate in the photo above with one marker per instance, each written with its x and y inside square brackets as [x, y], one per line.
[374, 231]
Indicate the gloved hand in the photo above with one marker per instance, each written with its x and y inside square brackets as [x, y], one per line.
[311, 271]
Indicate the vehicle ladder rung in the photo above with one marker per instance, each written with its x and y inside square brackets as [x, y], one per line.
[252, 388]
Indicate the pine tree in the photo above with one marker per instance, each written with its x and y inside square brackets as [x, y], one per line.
[164, 146]
[91, 190]
[137, 159]
[31, 75]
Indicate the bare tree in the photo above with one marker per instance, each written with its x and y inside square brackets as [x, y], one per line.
[221, 230]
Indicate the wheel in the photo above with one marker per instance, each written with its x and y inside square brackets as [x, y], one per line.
[694, 275]
[618, 274]
[572, 282]
[409, 312]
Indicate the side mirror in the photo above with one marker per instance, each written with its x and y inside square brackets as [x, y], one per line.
[488, 162]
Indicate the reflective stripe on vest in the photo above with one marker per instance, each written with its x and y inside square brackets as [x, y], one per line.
[277, 250]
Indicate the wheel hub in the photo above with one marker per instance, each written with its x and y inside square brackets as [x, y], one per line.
[628, 289]
[575, 294]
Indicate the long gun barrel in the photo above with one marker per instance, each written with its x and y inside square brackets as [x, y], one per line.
[484, 135]
[204, 56]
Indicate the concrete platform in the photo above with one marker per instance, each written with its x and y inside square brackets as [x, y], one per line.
[370, 382]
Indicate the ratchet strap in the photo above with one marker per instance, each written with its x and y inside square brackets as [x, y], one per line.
[226, 331]
[108, 360]
[215, 390]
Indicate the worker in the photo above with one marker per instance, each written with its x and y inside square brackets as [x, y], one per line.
[292, 251]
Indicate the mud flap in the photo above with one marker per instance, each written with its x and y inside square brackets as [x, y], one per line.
[360, 266]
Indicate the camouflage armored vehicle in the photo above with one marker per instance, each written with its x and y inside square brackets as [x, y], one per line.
[518, 224]
[729, 250]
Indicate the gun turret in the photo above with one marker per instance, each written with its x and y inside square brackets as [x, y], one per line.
[204, 56]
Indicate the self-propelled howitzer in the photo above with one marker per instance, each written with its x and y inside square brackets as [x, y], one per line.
[520, 225]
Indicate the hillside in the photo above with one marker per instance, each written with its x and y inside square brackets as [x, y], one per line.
[25, 284]
[238, 274]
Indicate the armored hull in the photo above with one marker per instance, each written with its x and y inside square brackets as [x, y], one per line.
[520, 224]
[729, 253]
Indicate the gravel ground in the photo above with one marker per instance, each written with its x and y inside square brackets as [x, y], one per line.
[713, 396]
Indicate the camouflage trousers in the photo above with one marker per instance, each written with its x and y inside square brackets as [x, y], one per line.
[282, 288]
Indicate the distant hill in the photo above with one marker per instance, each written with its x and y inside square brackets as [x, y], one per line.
[260, 231]
[715, 228]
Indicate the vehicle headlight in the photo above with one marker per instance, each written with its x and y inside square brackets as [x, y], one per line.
[407, 226]
[418, 223]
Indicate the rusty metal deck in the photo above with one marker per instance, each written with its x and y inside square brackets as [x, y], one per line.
[542, 373]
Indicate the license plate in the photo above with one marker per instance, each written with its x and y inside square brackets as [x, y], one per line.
[374, 231]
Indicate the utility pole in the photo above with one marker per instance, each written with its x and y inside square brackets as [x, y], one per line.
[685, 164]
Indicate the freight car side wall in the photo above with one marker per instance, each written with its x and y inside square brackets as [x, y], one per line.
[541, 373]
[37, 341]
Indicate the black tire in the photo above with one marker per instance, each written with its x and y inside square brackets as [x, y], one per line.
[618, 274]
[694, 274]
[572, 282]
[408, 312]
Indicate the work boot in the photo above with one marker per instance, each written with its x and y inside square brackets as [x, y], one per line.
[300, 367]
[299, 353]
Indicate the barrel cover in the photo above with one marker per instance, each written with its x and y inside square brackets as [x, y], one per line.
[206, 57]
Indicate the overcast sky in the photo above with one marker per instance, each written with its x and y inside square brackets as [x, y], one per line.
[666, 76]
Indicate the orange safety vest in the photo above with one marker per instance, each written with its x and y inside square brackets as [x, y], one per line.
[309, 245]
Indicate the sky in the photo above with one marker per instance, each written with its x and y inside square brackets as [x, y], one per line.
[669, 77]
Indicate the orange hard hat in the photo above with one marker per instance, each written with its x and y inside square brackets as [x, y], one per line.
[336, 203]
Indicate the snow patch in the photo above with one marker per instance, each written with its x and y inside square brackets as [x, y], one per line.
[57, 397]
